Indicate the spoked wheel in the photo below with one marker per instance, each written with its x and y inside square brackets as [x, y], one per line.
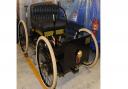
[23, 36]
[46, 62]
[92, 60]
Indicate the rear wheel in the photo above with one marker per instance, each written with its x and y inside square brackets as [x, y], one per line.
[94, 55]
[46, 62]
[23, 36]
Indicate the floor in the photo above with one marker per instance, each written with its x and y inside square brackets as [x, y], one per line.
[84, 79]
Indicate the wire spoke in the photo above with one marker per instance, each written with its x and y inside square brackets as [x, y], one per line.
[45, 64]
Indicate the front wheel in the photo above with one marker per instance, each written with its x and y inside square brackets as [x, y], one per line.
[46, 62]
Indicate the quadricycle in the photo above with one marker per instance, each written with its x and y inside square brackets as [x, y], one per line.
[61, 46]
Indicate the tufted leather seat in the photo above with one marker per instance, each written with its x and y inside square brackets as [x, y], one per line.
[47, 17]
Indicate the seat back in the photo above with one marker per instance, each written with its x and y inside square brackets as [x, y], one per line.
[42, 13]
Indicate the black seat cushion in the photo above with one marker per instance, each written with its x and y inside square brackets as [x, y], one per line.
[48, 26]
[45, 26]
[60, 24]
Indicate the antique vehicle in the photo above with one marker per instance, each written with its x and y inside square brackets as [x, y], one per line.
[61, 45]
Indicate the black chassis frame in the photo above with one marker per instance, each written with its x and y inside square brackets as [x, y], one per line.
[66, 53]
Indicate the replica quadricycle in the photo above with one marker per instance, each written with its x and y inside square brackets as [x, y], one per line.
[61, 45]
